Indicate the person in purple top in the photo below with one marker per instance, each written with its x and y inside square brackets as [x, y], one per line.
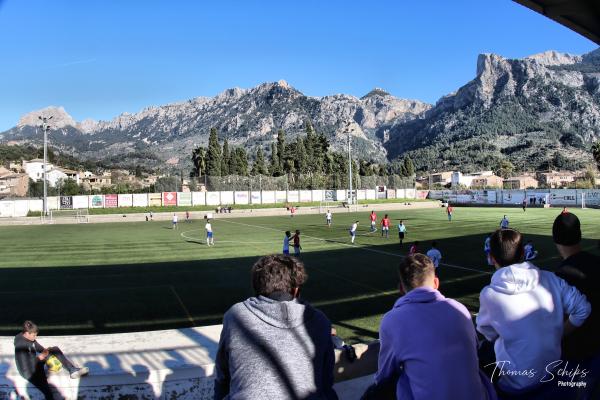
[428, 343]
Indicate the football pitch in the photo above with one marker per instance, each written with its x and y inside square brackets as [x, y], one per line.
[135, 276]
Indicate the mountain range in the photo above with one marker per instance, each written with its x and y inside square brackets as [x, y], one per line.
[542, 111]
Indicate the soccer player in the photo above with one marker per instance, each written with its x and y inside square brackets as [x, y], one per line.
[373, 218]
[353, 231]
[524, 205]
[174, 220]
[401, 231]
[435, 255]
[414, 249]
[449, 211]
[564, 210]
[504, 223]
[530, 251]
[286, 243]
[187, 217]
[486, 250]
[210, 240]
[292, 211]
[328, 218]
[151, 216]
[297, 247]
[30, 357]
[385, 226]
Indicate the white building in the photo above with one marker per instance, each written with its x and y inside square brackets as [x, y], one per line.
[35, 169]
[459, 179]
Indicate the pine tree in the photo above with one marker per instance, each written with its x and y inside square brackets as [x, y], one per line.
[259, 167]
[300, 159]
[213, 163]
[226, 159]
[409, 166]
[241, 160]
[274, 167]
[281, 149]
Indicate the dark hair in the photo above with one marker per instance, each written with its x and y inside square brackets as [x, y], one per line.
[30, 327]
[566, 229]
[277, 273]
[297, 231]
[414, 271]
[385, 216]
[288, 233]
[506, 246]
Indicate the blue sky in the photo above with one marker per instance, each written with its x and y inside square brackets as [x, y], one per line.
[101, 58]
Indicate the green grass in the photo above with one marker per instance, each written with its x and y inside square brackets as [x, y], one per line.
[93, 278]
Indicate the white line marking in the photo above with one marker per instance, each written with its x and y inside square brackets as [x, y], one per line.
[387, 253]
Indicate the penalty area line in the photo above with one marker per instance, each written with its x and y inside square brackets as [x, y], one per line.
[183, 307]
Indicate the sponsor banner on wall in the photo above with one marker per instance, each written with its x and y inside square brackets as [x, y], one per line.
[305, 196]
[154, 199]
[53, 203]
[38, 205]
[293, 196]
[592, 197]
[169, 198]
[227, 197]
[410, 193]
[361, 194]
[111, 201]
[422, 194]
[513, 196]
[329, 195]
[492, 197]
[317, 195]
[7, 209]
[125, 200]
[213, 199]
[268, 197]
[140, 200]
[96, 201]
[255, 197]
[66, 202]
[21, 208]
[198, 198]
[391, 193]
[280, 196]
[80, 202]
[241, 197]
[563, 197]
[184, 199]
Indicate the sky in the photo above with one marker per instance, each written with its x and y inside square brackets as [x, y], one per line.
[99, 59]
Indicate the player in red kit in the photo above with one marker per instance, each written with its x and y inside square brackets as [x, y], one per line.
[385, 226]
[373, 218]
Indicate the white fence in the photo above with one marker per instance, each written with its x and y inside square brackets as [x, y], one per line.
[556, 197]
[20, 208]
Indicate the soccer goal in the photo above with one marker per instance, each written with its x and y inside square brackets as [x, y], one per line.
[68, 216]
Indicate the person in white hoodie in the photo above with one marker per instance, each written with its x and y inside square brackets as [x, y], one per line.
[523, 312]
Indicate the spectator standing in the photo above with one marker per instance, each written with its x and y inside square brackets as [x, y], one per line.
[435, 255]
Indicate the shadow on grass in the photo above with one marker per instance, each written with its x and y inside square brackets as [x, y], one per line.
[347, 284]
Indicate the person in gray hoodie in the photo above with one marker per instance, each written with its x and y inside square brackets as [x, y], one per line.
[274, 345]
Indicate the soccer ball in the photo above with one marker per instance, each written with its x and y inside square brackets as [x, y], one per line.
[54, 365]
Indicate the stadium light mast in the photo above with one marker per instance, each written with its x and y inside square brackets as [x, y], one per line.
[45, 129]
[348, 130]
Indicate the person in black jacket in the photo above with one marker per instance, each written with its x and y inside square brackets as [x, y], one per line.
[31, 356]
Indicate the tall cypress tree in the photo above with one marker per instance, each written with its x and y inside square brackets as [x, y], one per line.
[274, 167]
[301, 159]
[213, 164]
[259, 167]
[225, 159]
[309, 145]
[241, 160]
[281, 149]
[409, 166]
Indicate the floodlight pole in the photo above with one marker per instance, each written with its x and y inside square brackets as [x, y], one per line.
[45, 129]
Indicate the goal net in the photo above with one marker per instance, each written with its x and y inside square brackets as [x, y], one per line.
[68, 216]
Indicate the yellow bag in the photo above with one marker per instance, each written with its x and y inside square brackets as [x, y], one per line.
[53, 364]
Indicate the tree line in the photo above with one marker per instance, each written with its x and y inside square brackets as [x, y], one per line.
[307, 155]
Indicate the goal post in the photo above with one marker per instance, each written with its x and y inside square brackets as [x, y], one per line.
[68, 216]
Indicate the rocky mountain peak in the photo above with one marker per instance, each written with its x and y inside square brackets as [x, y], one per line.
[375, 92]
[60, 118]
[552, 57]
